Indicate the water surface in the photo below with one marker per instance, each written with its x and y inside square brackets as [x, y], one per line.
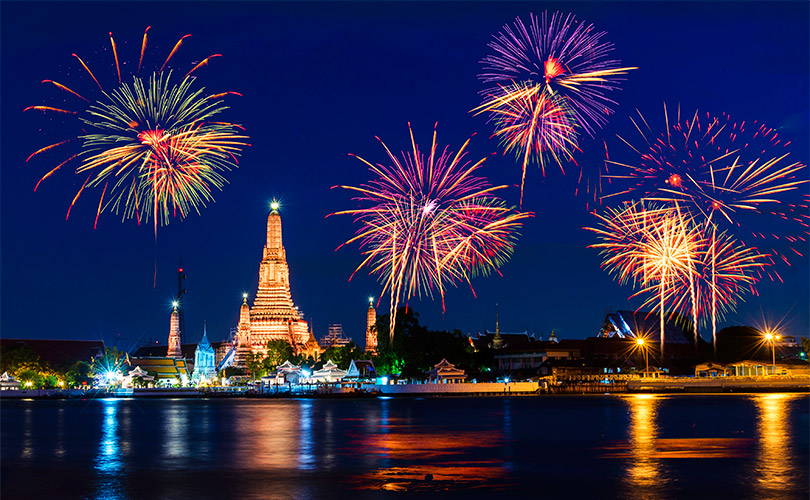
[633, 446]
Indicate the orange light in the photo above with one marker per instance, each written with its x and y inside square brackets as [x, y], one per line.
[675, 180]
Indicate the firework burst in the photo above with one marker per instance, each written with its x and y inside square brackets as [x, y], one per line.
[552, 74]
[648, 246]
[678, 264]
[154, 148]
[736, 176]
[429, 222]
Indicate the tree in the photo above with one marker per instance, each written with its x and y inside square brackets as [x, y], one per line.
[254, 362]
[29, 379]
[50, 382]
[737, 343]
[342, 356]
[231, 371]
[17, 358]
[278, 351]
[416, 349]
[78, 373]
[806, 345]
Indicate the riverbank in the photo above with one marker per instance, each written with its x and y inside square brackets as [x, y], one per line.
[720, 384]
[661, 385]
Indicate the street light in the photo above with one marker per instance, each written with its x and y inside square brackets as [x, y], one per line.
[641, 346]
[770, 337]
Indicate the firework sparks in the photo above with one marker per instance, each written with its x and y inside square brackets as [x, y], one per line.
[677, 264]
[552, 74]
[648, 246]
[151, 146]
[737, 176]
[429, 222]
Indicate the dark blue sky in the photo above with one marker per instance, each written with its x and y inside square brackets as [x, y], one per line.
[320, 80]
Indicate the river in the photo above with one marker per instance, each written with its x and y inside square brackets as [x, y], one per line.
[600, 446]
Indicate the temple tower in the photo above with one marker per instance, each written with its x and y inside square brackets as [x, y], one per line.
[242, 335]
[174, 350]
[497, 340]
[371, 327]
[273, 315]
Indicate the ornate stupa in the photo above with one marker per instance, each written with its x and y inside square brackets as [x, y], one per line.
[174, 350]
[273, 315]
[371, 328]
[204, 360]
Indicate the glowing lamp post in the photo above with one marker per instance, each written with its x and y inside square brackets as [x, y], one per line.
[770, 337]
[641, 346]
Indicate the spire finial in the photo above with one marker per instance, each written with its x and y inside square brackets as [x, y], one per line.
[497, 320]
[274, 206]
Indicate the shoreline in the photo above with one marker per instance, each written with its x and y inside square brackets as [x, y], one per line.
[662, 386]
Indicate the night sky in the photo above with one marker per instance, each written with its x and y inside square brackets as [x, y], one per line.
[320, 81]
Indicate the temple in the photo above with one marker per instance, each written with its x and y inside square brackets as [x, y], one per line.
[371, 328]
[204, 361]
[174, 350]
[273, 315]
[335, 337]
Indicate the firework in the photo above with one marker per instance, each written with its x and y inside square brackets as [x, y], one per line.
[650, 247]
[723, 272]
[677, 263]
[737, 176]
[554, 69]
[429, 222]
[153, 147]
[730, 176]
[536, 127]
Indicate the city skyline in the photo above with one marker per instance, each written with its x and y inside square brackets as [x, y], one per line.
[320, 87]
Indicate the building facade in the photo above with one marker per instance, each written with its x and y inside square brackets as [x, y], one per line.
[205, 369]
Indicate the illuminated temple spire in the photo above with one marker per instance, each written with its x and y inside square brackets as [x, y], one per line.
[371, 327]
[273, 298]
[174, 350]
[243, 334]
[273, 316]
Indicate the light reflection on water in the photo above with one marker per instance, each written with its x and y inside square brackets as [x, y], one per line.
[267, 436]
[644, 471]
[306, 457]
[108, 459]
[649, 471]
[175, 428]
[775, 471]
[406, 455]
[659, 447]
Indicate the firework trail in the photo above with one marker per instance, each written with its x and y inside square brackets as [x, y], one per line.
[429, 222]
[152, 147]
[552, 74]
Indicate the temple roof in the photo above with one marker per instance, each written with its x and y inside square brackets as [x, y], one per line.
[631, 324]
